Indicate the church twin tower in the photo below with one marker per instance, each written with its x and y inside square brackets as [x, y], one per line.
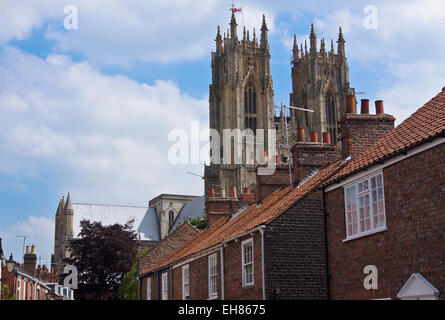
[242, 97]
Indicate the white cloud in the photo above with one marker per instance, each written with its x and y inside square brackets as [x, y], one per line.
[105, 138]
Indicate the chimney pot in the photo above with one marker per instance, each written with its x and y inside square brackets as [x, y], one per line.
[365, 106]
[326, 137]
[246, 190]
[300, 134]
[350, 104]
[314, 136]
[222, 193]
[33, 249]
[212, 193]
[277, 159]
[234, 193]
[379, 107]
[27, 250]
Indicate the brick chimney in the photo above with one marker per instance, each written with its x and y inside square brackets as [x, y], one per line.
[312, 155]
[218, 207]
[30, 260]
[266, 184]
[360, 131]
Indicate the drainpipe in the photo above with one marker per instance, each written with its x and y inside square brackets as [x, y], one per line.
[262, 261]
[221, 256]
[325, 216]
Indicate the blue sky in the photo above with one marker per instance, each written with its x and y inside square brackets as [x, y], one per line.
[88, 111]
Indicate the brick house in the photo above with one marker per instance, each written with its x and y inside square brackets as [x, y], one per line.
[245, 252]
[386, 207]
[26, 282]
[297, 242]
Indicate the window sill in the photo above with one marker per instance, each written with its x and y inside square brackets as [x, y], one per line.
[213, 298]
[367, 233]
[248, 286]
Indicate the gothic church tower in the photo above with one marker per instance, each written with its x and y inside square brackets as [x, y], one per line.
[320, 82]
[241, 97]
[63, 232]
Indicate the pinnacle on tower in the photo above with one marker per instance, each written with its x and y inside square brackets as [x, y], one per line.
[313, 39]
[264, 30]
[233, 26]
[69, 205]
[218, 40]
[60, 207]
[341, 43]
[332, 47]
[323, 47]
[295, 48]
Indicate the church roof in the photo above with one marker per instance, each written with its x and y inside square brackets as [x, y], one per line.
[110, 214]
[193, 209]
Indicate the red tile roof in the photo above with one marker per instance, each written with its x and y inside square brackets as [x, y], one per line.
[426, 123]
[256, 214]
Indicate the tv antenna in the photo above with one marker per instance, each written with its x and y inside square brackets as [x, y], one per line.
[24, 242]
[287, 137]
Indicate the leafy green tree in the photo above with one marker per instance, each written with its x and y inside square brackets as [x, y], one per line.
[199, 223]
[129, 286]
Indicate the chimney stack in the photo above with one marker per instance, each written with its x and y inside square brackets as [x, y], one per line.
[360, 131]
[30, 260]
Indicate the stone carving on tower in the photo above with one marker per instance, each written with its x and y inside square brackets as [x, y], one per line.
[63, 233]
[241, 97]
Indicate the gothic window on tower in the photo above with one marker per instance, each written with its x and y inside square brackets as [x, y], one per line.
[331, 116]
[250, 101]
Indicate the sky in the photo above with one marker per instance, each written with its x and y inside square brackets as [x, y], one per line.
[88, 110]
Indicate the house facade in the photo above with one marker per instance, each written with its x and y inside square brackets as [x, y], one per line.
[386, 210]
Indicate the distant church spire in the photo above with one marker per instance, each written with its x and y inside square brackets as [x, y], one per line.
[69, 205]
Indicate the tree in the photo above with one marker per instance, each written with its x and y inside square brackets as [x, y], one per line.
[199, 223]
[129, 286]
[102, 256]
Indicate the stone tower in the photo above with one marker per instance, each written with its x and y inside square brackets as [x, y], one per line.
[241, 97]
[63, 232]
[320, 82]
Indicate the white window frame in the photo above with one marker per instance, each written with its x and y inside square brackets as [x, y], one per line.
[371, 195]
[148, 288]
[186, 282]
[19, 289]
[246, 264]
[213, 276]
[164, 284]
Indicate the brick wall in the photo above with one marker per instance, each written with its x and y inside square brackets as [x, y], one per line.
[415, 216]
[233, 271]
[266, 184]
[174, 241]
[308, 156]
[216, 208]
[360, 131]
[295, 252]
[198, 275]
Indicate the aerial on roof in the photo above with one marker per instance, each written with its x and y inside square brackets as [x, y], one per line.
[255, 215]
[426, 123]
